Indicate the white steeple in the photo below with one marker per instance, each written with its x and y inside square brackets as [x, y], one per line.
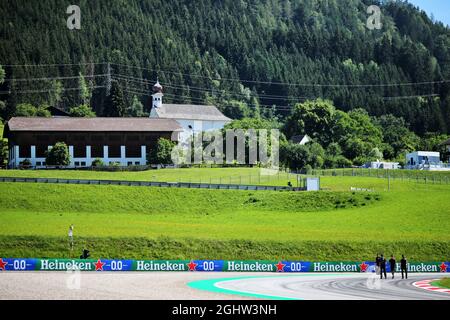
[157, 95]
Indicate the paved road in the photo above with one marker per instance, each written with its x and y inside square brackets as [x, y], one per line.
[174, 285]
[337, 287]
[53, 285]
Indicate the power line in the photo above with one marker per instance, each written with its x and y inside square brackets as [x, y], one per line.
[46, 91]
[263, 96]
[55, 78]
[133, 91]
[292, 84]
[212, 90]
[235, 79]
[216, 91]
[52, 65]
[412, 97]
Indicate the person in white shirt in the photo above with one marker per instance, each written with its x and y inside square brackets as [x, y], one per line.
[71, 236]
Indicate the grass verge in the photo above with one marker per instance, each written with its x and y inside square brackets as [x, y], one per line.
[170, 248]
[443, 283]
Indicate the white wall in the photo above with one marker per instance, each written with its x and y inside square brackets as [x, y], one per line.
[14, 160]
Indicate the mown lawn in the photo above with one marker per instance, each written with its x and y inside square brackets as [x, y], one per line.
[253, 176]
[139, 222]
[205, 175]
[444, 283]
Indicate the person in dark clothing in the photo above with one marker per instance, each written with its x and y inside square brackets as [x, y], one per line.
[86, 254]
[403, 266]
[383, 267]
[392, 264]
[377, 264]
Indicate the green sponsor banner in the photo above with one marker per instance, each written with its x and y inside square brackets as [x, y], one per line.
[333, 266]
[425, 267]
[65, 264]
[249, 266]
[161, 265]
[15, 264]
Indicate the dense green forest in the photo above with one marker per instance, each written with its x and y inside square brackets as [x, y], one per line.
[252, 58]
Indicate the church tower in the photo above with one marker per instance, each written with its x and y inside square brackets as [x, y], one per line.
[157, 95]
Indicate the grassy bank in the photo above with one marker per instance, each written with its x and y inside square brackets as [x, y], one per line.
[48, 198]
[253, 176]
[141, 222]
[204, 175]
[180, 248]
[443, 283]
[231, 175]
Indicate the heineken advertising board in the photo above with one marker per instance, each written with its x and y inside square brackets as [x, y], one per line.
[13, 264]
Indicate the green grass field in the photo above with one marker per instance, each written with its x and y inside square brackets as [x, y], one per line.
[139, 222]
[443, 283]
[253, 176]
[205, 175]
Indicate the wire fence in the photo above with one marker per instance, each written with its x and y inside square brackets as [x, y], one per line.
[194, 185]
[426, 177]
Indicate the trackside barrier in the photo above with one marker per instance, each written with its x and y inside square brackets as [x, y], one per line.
[153, 184]
[14, 264]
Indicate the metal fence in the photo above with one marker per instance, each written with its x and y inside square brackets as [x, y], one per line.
[426, 177]
[153, 184]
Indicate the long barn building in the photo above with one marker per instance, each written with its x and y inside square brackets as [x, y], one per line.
[125, 141]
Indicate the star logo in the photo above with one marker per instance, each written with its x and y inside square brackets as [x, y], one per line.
[443, 267]
[99, 265]
[3, 264]
[363, 267]
[192, 266]
[280, 266]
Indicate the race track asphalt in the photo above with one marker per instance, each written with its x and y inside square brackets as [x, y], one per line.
[337, 287]
[207, 286]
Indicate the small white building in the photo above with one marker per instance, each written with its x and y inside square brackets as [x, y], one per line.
[382, 165]
[192, 118]
[425, 160]
[301, 139]
[447, 144]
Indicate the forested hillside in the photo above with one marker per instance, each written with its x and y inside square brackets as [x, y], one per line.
[249, 57]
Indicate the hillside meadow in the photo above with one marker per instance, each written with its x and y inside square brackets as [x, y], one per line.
[246, 175]
[141, 222]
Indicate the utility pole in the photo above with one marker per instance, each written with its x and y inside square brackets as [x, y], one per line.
[389, 182]
[108, 79]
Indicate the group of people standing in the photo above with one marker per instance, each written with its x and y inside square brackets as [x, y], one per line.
[380, 262]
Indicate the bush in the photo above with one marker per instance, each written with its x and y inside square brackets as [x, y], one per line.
[25, 164]
[28, 110]
[98, 163]
[58, 155]
[308, 169]
[83, 111]
[162, 154]
[3, 151]
[342, 162]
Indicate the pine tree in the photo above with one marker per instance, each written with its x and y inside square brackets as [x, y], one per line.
[137, 108]
[85, 94]
[115, 102]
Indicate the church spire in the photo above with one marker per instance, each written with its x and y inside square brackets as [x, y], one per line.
[157, 95]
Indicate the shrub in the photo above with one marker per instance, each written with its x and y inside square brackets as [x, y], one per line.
[58, 155]
[83, 111]
[25, 164]
[98, 163]
[162, 153]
